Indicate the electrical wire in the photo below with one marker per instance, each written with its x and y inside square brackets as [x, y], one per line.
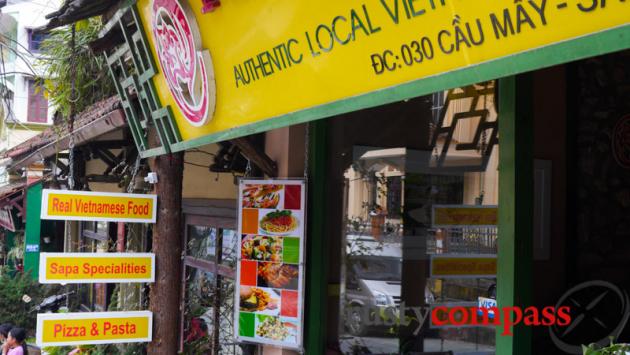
[23, 73]
[195, 164]
[196, 150]
[84, 46]
[20, 55]
[44, 7]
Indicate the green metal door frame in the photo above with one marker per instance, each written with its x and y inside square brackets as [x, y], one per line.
[317, 257]
[515, 229]
[32, 231]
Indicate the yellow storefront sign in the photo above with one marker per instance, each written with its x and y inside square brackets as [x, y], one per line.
[60, 329]
[460, 216]
[67, 268]
[249, 61]
[98, 206]
[463, 266]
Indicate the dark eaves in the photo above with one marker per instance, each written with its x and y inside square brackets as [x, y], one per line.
[76, 10]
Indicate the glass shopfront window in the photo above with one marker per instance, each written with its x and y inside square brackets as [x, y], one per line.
[208, 302]
[413, 209]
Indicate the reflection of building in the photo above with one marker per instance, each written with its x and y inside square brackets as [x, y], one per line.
[391, 188]
[376, 178]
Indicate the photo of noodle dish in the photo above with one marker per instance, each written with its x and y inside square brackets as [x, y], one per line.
[261, 247]
[259, 300]
[279, 223]
[261, 196]
[276, 328]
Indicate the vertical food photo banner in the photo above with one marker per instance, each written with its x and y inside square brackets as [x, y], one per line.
[270, 272]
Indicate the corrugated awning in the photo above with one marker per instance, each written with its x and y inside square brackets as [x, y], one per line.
[100, 118]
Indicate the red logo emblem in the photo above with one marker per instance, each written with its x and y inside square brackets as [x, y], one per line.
[185, 65]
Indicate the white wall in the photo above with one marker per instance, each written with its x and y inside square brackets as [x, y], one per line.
[28, 14]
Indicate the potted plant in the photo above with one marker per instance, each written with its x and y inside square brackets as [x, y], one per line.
[612, 349]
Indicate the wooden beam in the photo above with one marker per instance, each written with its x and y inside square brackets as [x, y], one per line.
[108, 179]
[107, 123]
[63, 167]
[16, 202]
[110, 144]
[256, 156]
[120, 158]
[107, 157]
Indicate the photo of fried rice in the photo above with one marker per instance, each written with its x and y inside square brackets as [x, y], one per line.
[272, 328]
[261, 196]
[279, 223]
[256, 299]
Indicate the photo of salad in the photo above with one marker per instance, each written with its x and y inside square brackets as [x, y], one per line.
[273, 328]
[261, 196]
[279, 222]
[261, 247]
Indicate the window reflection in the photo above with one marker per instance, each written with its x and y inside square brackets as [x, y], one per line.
[417, 160]
[199, 313]
[208, 302]
[101, 227]
[202, 242]
[229, 247]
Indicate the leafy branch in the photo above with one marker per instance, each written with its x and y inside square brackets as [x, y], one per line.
[74, 76]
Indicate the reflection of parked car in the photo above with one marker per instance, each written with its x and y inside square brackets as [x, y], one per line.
[372, 290]
[373, 286]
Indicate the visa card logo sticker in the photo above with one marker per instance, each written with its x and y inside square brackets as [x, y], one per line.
[486, 303]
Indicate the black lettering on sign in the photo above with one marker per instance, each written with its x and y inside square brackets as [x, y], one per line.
[267, 63]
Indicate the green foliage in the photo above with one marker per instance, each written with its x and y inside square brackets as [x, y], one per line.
[201, 345]
[12, 308]
[134, 349]
[62, 65]
[16, 253]
[83, 350]
[115, 304]
[612, 349]
[57, 350]
[97, 350]
[108, 349]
